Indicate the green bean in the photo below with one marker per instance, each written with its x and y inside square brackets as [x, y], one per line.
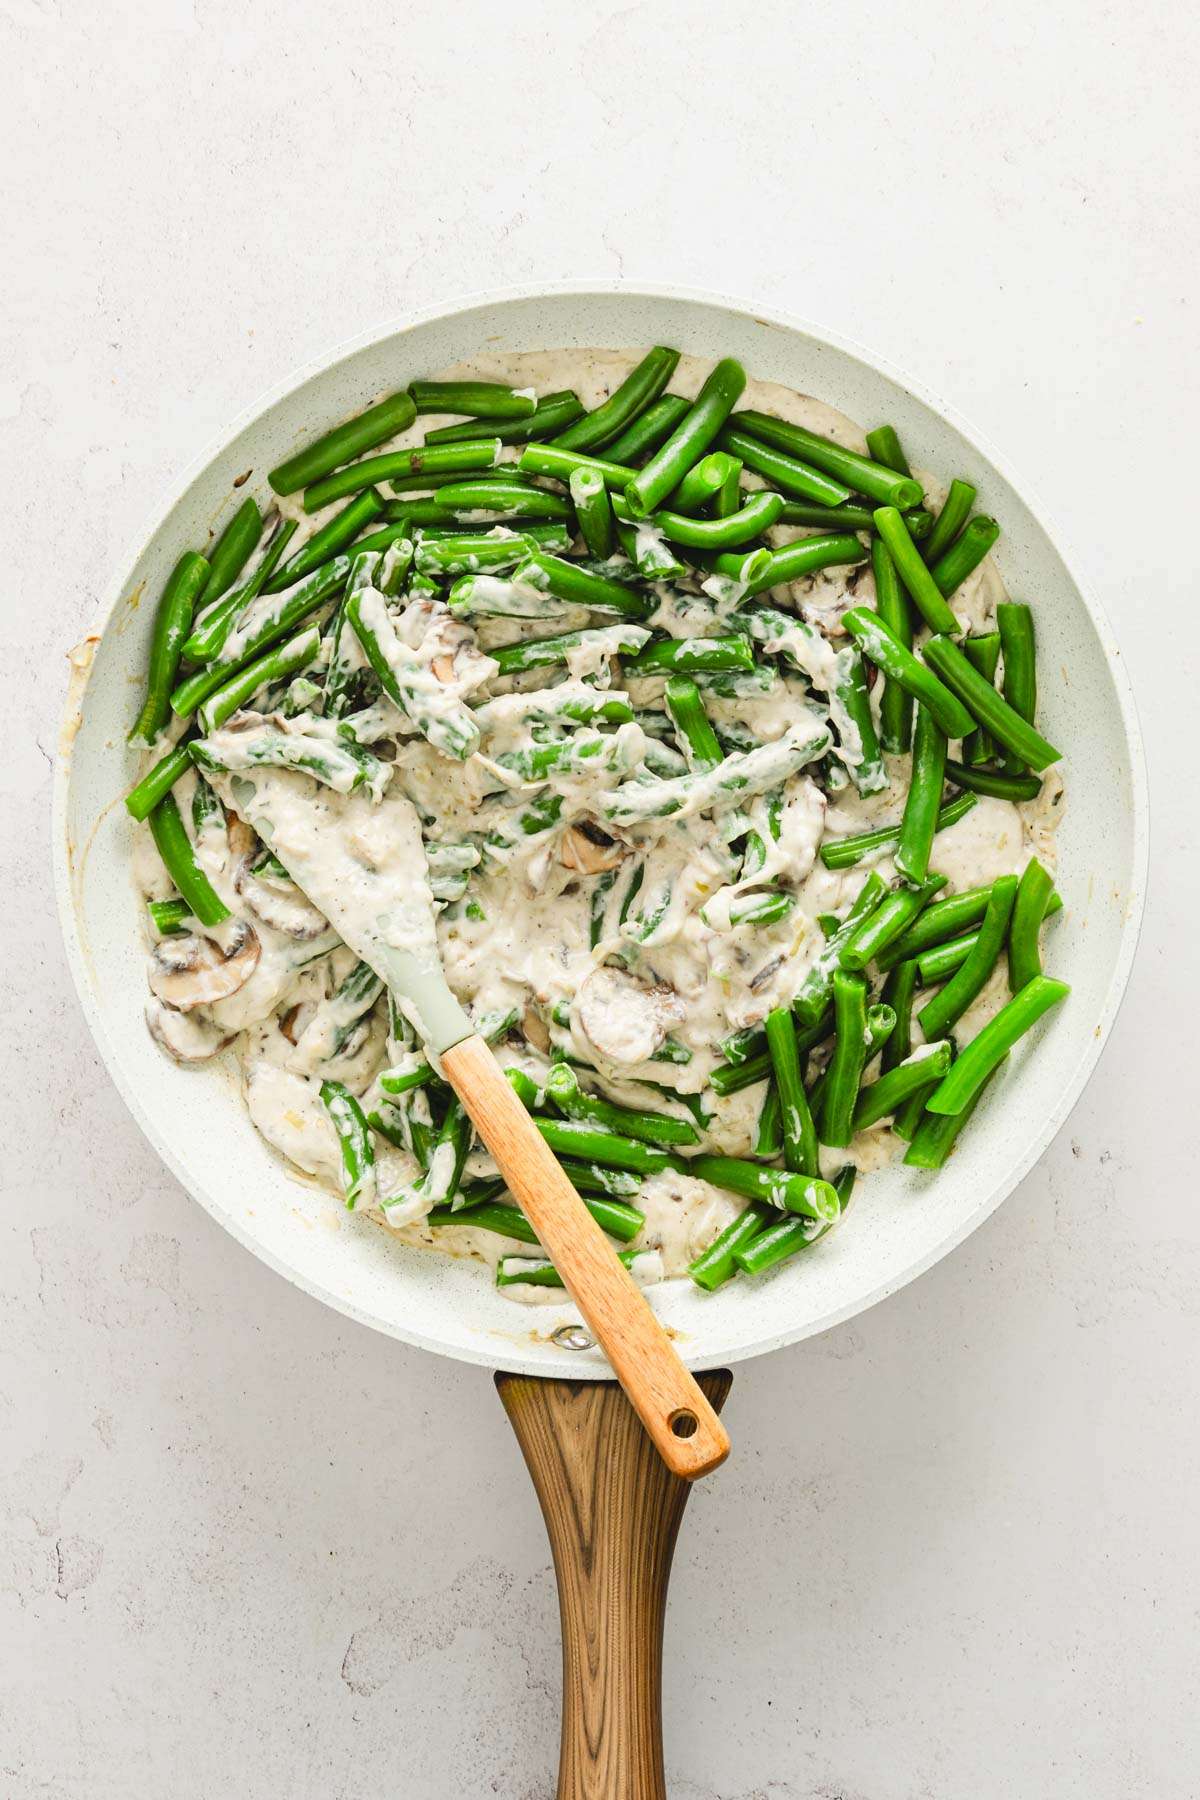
[479, 399]
[936, 1134]
[491, 1027]
[343, 767]
[514, 1271]
[984, 653]
[172, 623]
[396, 531]
[812, 996]
[985, 1051]
[325, 544]
[552, 413]
[740, 567]
[410, 516]
[881, 1023]
[919, 580]
[231, 552]
[785, 1237]
[562, 1086]
[965, 554]
[941, 920]
[884, 446]
[291, 610]
[780, 1188]
[851, 518]
[588, 1143]
[799, 1131]
[844, 1072]
[714, 1266]
[467, 553]
[1015, 624]
[940, 961]
[179, 859]
[737, 777]
[923, 800]
[639, 390]
[843, 853]
[687, 655]
[690, 439]
[950, 1002]
[593, 509]
[507, 497]
[614, 1216]
[354, 1140]
[759, 513]
[763, 908]
[408, 682]
[914, 1075]
[859, 473]
[593, 1178]
[866, 770]
[428, 468]
[768, 1135]
[606, 751]
[895, 616]
[577, 586]
[647, 549]
[891, 918]
[168, 916]
[1029, 909]
[899, 991]
[553, 460]
[214, 624]
[950, 520]
[701, 482]
[906, 1120]
[494, 596]
[785, 473]
[697, 739]
[899, 665]
[141, 800]
[791, 562]
[728, 496]
[383, 420]
[996, 782]
[478, 452]
[649, 429]
[275, 665]
[993, 712]
[540, 653]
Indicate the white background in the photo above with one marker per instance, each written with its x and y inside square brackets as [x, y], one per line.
[247, 1548]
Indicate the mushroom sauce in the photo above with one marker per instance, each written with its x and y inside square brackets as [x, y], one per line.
[636, 990]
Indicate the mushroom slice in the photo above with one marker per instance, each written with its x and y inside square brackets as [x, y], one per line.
[183, 1036]
[535, 1031]
[197, 971]
[624, 1019]
[586, 847]
[280, 905]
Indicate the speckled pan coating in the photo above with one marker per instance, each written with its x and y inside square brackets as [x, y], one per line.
[902, 1222]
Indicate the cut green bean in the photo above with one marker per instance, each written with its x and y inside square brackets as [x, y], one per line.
[1029, 909]
[885, 448]
[577, 586]
[895, 615]
[168, 917]
[993, 712]
[560, 464]
[385, 419]
[781, 1188]
[179, 859]
[799, 1132]
[862, 757]
[964, 555]
[899, 665]
[1015, 625]
[172, 623]
[593, 1178]
[540, 653]
[276, 665]
[738, 777]
[649, 429]
[697, 739]
[984, 653]
[843, 853]
[562, 1087]
[408, 682]
[342, 766]
[554, 412]
[940, 961]
[997, 783]
[948, 1005]
[813, 994]
[522, 1271]
[588, 1143]
[614, 416]
[354, 1141]
[919, 1071]
[935, 1136]
[789, 476]
[923, 800]
[716, 1265]
[259, 630]
[899, 992]
[507, 497]
[920, 581]
[759, 513]
[844, 1073]
[478, 399]
[891, 918]
[325, 544]
[693, 435]
[703, 482]
[213, 625]
[686, 656]
[998, 1036]
[792, 562]
[479, 452]
[950, 521]
[940, 920]
[231, 552]
[768, 1135]
[141, 800]
[593, 509]
[859, 473]
[851, 518]
[783, 1238]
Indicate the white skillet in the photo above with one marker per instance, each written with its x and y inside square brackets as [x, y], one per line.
[901, 1222]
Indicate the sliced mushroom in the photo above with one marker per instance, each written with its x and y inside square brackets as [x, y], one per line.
[182, 1035]
[534, 1027]
[443, 668]
[280, 905]
[586, 847]
[197, 971]
[243, 841]
[624, 1019]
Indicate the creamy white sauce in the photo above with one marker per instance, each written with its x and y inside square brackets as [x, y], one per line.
[526, 943]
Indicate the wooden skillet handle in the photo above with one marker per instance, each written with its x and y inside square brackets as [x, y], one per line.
[687, 1432]
[612, 1512]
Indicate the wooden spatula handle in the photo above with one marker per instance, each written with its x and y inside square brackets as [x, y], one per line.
[683, 1426]
[612, 1512]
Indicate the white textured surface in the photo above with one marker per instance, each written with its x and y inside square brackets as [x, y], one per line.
[246, 1547]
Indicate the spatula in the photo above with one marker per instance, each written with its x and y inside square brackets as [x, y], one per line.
[363, 866]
